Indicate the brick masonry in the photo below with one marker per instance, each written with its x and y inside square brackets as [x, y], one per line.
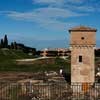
[82, 43]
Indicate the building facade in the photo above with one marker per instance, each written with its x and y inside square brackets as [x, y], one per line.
[53, 52]
[82, 45]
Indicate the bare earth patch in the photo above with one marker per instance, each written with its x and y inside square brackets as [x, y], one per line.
[14, 76]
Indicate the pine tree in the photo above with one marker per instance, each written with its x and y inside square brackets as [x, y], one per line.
[12, 45]
[2, 43]
[15, 45]
[5, 41]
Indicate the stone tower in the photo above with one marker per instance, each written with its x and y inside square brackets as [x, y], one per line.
[82, 44]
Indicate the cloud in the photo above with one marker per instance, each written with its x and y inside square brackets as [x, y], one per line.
[57, 2]
[76, 1]
[49, 18]
[78, 5]
[83, 5]
[91, 3]
[49, 2]
[86, 9]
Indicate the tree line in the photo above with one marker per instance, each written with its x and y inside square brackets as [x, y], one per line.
[4, 42]
[16, 46]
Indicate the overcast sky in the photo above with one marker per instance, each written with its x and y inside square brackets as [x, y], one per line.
[45, 23]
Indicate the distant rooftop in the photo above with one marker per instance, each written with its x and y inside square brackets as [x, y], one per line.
[82, 28]
[55, 49]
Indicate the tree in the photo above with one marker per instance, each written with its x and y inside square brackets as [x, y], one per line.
[15, 45]
[12, 45]
[2, 43]
[5, 41]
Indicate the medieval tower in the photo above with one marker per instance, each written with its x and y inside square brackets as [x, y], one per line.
[82, 44]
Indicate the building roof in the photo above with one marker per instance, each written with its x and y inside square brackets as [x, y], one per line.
[55, 49]
[82, 28]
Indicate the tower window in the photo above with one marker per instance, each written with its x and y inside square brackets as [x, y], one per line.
[80, 58]
[82, 38]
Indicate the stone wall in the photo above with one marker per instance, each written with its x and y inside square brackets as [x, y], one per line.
[82, 71]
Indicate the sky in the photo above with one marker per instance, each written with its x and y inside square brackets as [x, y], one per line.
[45, 23]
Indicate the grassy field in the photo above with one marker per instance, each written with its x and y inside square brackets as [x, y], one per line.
[8, 63]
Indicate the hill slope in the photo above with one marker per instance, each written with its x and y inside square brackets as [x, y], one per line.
[7, 58]
[8, 62]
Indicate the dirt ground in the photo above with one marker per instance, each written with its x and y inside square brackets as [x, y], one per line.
[15, 76]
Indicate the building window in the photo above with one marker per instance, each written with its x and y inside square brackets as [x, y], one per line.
[80, 58]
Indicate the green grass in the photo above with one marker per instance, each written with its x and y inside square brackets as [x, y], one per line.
[8, 57]
[8, 63]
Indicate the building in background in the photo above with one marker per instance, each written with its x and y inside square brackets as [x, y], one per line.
[49, 52]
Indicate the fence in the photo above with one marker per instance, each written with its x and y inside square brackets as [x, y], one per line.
[49, 91]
